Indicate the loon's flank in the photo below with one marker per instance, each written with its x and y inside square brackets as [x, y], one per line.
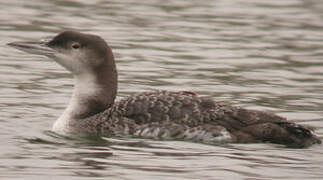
[159, 114]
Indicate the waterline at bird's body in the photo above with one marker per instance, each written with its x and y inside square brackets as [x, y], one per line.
[159, 114]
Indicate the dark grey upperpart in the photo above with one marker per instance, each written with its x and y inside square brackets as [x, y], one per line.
[164, 114]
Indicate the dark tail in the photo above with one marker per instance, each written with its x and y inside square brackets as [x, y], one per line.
[258, 126]
[299, 136]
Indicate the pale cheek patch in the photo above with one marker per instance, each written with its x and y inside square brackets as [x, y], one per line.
[65, 61]
[73, 62]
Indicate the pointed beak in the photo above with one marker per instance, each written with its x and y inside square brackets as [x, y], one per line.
[39, 48]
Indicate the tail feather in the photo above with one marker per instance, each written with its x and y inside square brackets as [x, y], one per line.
[267, 127]
[301, 136]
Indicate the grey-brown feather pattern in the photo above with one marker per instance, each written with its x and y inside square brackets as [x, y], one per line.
[160, 114]
[184, 115]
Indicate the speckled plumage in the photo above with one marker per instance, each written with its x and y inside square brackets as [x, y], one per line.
[185, 116]
[160, 114]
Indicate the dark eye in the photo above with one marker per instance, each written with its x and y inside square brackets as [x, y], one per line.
[76, 46]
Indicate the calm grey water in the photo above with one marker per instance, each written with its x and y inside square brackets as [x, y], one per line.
[263, 54]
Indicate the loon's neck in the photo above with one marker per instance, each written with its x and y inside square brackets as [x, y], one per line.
[93, 93]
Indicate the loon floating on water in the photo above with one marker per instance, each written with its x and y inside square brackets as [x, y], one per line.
[160, 114]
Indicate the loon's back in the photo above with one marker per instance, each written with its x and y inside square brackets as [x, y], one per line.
[161, 114]
[184, 115]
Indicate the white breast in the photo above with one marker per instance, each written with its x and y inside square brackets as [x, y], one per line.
[61, 125]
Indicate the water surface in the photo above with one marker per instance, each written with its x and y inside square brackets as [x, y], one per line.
[264, 54]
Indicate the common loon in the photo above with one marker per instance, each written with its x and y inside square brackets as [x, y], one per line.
[159, 114]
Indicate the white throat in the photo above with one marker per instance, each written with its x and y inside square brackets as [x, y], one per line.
[86, 90]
